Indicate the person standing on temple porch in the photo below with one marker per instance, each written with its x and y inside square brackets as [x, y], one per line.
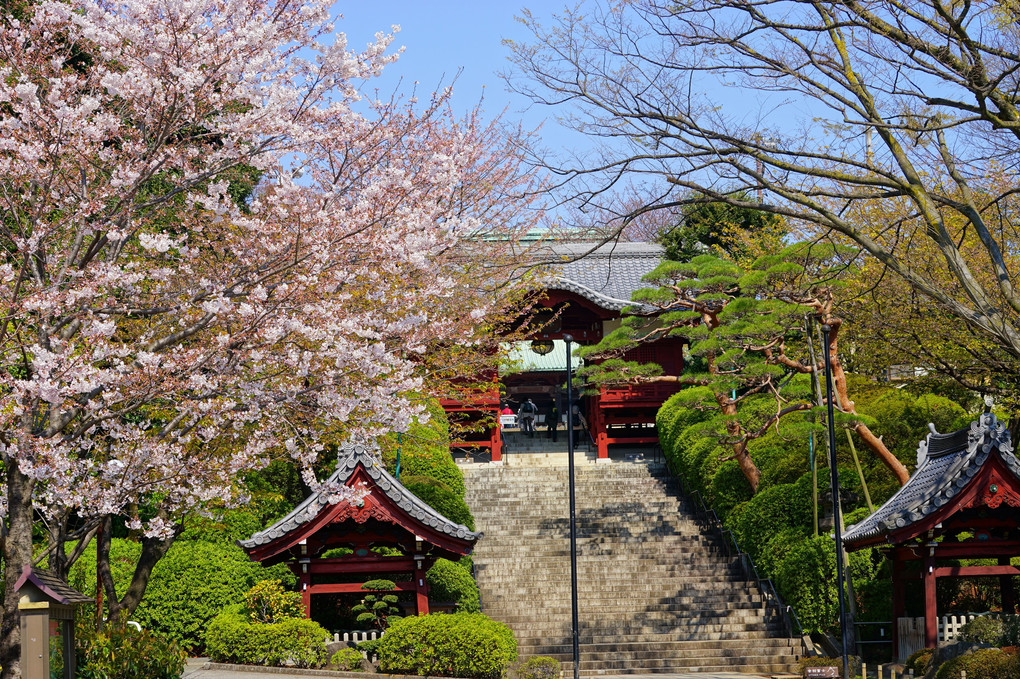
[552, 420]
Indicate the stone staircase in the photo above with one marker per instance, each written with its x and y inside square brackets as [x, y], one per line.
[656, 594]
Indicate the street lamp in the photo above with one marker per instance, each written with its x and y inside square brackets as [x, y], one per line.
[836, 509]
[573, 524]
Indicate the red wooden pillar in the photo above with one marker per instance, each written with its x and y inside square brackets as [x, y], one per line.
[1006, 589]
[305, 583]
[496, 441]
[899, 603]
[931, 621]
[421, 590]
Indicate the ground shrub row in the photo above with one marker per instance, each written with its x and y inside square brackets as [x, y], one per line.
[775, 525]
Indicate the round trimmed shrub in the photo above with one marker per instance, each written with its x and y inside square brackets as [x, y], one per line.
[986, 663]
[536, 667]
[458, 645]
[233, 639]
[982, 630]
[441, 498]
[918, 661]
[449, 581]
[347, 660]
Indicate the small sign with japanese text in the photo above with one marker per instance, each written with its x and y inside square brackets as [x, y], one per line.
[827, 672]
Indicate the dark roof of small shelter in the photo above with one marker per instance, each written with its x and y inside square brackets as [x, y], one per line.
[945, 465]
[51, 586]
[352, 457]
[606, 275]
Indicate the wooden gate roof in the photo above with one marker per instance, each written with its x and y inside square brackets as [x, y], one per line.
[969, 468]
[387, 501]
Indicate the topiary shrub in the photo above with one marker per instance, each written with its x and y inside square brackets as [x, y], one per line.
[982, 630]
[233, 639]
[449, 581]
[986, 663]
[457, 645]
[536, 667]
[347, 660]
[918, 661]
[122, 652]
[377, 610]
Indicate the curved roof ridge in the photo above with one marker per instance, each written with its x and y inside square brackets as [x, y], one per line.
[351, 457]
[946, 463]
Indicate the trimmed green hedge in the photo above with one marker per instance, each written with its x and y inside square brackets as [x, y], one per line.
[188, 587]
[458, 645]
[449, 581]
[987, 663]
[233, 639]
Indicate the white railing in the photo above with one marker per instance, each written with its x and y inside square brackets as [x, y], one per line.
[911, 631]
[356, 637]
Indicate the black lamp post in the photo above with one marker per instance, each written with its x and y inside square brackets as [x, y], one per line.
[836, 508]
[573, 524]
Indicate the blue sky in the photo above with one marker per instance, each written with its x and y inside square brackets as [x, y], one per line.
[445, 36]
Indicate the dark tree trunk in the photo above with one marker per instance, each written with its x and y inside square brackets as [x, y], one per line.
[17, 552]
[153, 549]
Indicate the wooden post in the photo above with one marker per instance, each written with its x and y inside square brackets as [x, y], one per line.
[1006, 589]
[421, 590]
[899, 604]
[305, 584]
[931, 620]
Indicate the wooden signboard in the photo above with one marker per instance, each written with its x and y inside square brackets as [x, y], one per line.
[826, 672]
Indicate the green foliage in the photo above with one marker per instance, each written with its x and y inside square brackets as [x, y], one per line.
[120, 651]
[377, 610]
[536, 667]
[986, 663]
[806, 573]
[918, 661]
[983, 630]
[458, 645]
[773, 509]
[188, 587]
[268, 602]
[449, 581]
[347, 660]
[441, 498]
[719, 228]
[233, 639]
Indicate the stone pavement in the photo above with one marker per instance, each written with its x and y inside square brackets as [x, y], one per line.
[196, 670]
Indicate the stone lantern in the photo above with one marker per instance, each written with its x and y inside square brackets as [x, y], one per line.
[47, 608]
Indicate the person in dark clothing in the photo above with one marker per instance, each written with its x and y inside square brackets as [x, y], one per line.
[577, 425]
[527, 415]
[552, 420]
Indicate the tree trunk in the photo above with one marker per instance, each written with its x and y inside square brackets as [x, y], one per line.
[17, 554]
[153, 549]
[744, 461]
[839, 388]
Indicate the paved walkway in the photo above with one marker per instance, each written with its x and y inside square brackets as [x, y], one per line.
[195, 670]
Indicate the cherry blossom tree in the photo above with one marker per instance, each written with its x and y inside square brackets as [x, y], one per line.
[161, 335]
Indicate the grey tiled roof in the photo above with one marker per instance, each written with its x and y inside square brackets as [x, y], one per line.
[607, 275]
[945, 465]
[350, 458]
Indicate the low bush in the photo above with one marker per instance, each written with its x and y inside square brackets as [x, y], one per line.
[122, 652]
[986, 663]
[268, 602]
[347, 660]
[458, 645]
[233, 639]
[536, 667]
[188, 587]
[450, 581]
[918, 661]
[982, 630]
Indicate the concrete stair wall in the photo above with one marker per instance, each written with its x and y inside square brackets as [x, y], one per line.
[655, 593]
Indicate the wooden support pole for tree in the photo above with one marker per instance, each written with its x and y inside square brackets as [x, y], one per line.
[860, 472]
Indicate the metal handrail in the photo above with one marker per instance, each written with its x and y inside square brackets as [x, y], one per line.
[708, 518]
